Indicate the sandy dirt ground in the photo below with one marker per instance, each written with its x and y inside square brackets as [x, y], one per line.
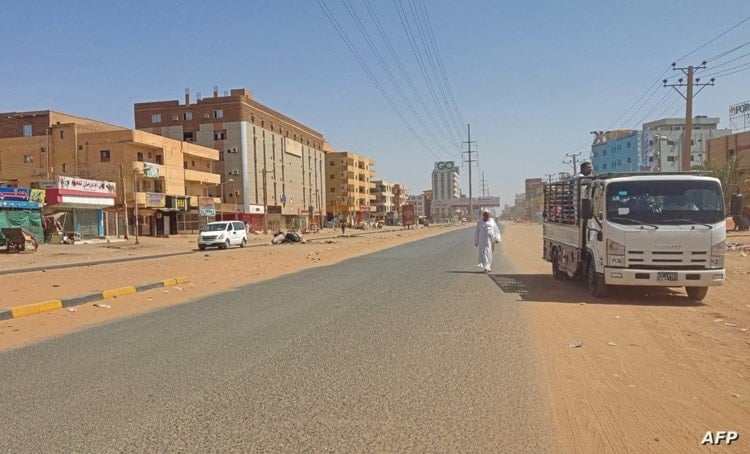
[653, 374]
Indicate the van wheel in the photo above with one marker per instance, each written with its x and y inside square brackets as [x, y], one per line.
[696, 293]
[226, 245]
[557, 273]
[243, 243]
[202, 247]
[595, 281]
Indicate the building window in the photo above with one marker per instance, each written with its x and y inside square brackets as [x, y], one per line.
[187, 136]
[192, 163]
[139, 157]
[332, 163]
[27, 159]
[159, 159]
[670, 158]
[27, 130]
[604, 152]
[104, 155]
[184, 164]
[628, 145]
[187, 116]
[64, 168]
[628, 160]
[218, 113]
[220, 134]
[62, 134]
[333, 177]
[604, 166]
[156, 118]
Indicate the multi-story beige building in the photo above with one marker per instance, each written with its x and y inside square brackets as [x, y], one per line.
[160, 177]
[349, 186]
[268, 162]
[383, 199]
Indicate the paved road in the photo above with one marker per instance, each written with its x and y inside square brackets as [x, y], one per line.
[420, 353]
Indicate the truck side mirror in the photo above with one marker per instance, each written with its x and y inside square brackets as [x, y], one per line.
[587, 209]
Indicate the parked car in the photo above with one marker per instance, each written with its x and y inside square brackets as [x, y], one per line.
[222, 234]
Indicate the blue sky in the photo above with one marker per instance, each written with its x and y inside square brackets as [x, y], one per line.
[532, 78]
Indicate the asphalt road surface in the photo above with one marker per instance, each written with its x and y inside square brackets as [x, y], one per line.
[407, 349]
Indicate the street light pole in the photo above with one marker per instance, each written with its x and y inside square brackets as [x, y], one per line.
[135, 204]
[265, 203]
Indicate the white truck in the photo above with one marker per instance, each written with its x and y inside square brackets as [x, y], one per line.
[637, 229]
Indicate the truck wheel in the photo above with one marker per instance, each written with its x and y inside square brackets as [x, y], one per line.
[243, 243]
[595, 281]
[202, 247]
[557, 273]
[226, 245]
[696, 293]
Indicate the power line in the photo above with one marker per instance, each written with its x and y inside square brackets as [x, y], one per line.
[388, 72]
[370, 74]
[402, 69]
[406, 24]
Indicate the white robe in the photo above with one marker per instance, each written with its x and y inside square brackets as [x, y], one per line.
[485, 235]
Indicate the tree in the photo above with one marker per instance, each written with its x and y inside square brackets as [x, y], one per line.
[731, 175]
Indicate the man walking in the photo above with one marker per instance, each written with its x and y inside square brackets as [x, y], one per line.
[486, 235]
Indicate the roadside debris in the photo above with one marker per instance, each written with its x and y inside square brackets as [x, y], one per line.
[72, 309]
[611, 344]
[280, 237]
[576, 344]
[102, 305]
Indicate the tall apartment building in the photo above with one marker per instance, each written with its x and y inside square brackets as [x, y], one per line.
[662, 142]
[446, 186]
[383, 199]
[350, 186]
[268, 163]
[96, 172]
[616, 151]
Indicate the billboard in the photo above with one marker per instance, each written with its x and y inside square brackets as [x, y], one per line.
[407, 214]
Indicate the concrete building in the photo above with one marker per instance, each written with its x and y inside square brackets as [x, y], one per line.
[419, 205]
[272, 163]
[616, 151]
[446, 186]
[383, 201]
[350, 187]
[662, 142]
[82, 161]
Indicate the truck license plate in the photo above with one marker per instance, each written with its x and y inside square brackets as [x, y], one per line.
[666, 276]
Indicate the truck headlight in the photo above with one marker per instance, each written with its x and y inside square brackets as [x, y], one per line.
[718, 251]
[615, 254]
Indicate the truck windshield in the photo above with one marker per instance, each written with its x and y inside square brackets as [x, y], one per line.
[664, 202]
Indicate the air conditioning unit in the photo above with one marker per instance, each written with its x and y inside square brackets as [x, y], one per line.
[233, 150]
[234, 172]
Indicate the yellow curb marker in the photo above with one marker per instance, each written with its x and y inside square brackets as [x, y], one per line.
[118, 292]
[31, 309]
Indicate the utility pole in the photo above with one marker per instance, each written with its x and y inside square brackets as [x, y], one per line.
[124, 201]
[687, 136]
[549, 177]
[485, 189]
[265, 202]
[135, 196]
[573, 160]
[470, 161]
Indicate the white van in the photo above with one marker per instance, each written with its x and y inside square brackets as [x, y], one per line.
[222, 234]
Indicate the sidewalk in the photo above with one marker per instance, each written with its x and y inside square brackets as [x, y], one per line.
[90, 271]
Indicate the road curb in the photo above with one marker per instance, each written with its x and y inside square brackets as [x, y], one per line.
[50, 305]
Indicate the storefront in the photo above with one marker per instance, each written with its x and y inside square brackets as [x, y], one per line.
[21, 207]
[82, 202]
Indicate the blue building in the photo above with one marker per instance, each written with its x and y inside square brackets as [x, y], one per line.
[616, 151]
